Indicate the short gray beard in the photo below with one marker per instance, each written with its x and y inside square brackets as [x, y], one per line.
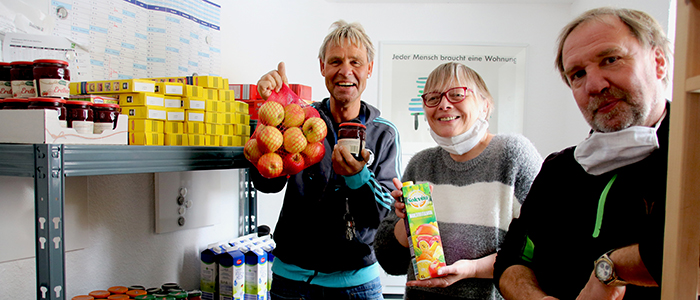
[635, 114]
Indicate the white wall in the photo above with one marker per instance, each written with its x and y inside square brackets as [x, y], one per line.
[122, 246]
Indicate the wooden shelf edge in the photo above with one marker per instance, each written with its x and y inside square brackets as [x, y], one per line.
[692, 84]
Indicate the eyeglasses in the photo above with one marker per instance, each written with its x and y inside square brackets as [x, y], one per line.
[454, 95]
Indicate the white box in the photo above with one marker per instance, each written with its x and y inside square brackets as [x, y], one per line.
[41, 126]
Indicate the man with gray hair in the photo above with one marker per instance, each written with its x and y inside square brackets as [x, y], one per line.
[592, 225]
[332, 209]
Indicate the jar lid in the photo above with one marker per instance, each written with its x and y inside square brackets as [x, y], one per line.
[194, 293]
[50, 61]
[16, 100]
[83, 297]
[118, 289]
[114, 105]
[46, 99]
[118, 297]
[16, 63]
[137, 287]
[145, 297]
[352, 124]
[73, 102]
[2, 63]
[99, 294]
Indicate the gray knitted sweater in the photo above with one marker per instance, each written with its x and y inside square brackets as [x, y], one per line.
[474, 203]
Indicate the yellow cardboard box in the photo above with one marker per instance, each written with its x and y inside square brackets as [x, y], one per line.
[112, 86]
[145, 112]
[213, 129]
[172, 102]
[197, 139]
[175, 114]
[141, 99]
[213, 117]
[214, 82]
[193, 91]
[174, 127]
[194, 127]
[211, 94]
[231, 141]
[226, 95]
[194, 116]
[170, 88]
[236, 118]
[145, 125]
[191, 104]
[176, 139]
[146, 138]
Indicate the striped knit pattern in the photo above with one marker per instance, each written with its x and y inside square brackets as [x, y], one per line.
[474, 204]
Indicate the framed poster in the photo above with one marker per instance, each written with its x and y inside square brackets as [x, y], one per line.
[404, 68]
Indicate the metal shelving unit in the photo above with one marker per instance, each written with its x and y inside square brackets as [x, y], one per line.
[49, 164]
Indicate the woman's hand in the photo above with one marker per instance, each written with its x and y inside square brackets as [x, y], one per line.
[461, 269]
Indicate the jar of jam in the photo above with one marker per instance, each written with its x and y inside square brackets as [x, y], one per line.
[80, 116]
[105, 116]
[5, 80]
[15, 103]
[194, 295]
[352, 137]
[52, 78]
[50, 103]
[22, 75]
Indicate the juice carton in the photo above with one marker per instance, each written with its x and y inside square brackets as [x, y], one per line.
[231, 274]
[424, 237]
[268, 247]
[209, 271]
[255, 274]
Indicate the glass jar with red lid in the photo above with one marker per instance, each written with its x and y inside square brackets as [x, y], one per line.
[352, 137]
[56, 104]
[5, 80]
[15, 103]
[80, 116]
[105, 116]
[52, 78]
[22, 75]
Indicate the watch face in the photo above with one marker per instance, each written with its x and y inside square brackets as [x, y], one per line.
[603, 270]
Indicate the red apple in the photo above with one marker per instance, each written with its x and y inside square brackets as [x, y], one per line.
[269, 139]
[310, 112]
[259, 127]
[315, 129]
[251, 151]
[271, 113]
[313, 153]
[293, 116]
[294, 140]
[270, 165]
[293, 163]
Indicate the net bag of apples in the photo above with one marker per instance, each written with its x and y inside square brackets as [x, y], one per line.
[288, 137]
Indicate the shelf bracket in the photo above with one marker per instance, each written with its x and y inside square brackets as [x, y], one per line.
[248, 204]
[49, 200]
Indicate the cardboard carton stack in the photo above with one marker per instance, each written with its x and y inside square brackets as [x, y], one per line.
[181, 111]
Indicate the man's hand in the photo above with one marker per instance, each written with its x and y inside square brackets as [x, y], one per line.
[273, 80]
[596, 290]
[345, 164]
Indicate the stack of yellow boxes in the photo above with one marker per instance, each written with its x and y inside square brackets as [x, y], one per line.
[186, 111]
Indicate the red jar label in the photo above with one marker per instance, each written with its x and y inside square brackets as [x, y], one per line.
[23, 89]
[5, 89]
[54, 88]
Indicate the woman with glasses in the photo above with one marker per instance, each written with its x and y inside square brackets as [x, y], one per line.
[479, 181]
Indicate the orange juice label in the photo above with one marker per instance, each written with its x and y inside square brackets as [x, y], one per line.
[427, 254]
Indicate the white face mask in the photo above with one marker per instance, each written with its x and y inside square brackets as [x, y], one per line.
[603, 152]
[464, 142]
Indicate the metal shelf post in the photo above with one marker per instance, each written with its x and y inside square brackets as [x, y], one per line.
[49, 233]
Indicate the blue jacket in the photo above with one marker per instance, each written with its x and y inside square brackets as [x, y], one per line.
[311, 230]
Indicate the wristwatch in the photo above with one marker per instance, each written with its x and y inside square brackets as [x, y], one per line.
[605, 271]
